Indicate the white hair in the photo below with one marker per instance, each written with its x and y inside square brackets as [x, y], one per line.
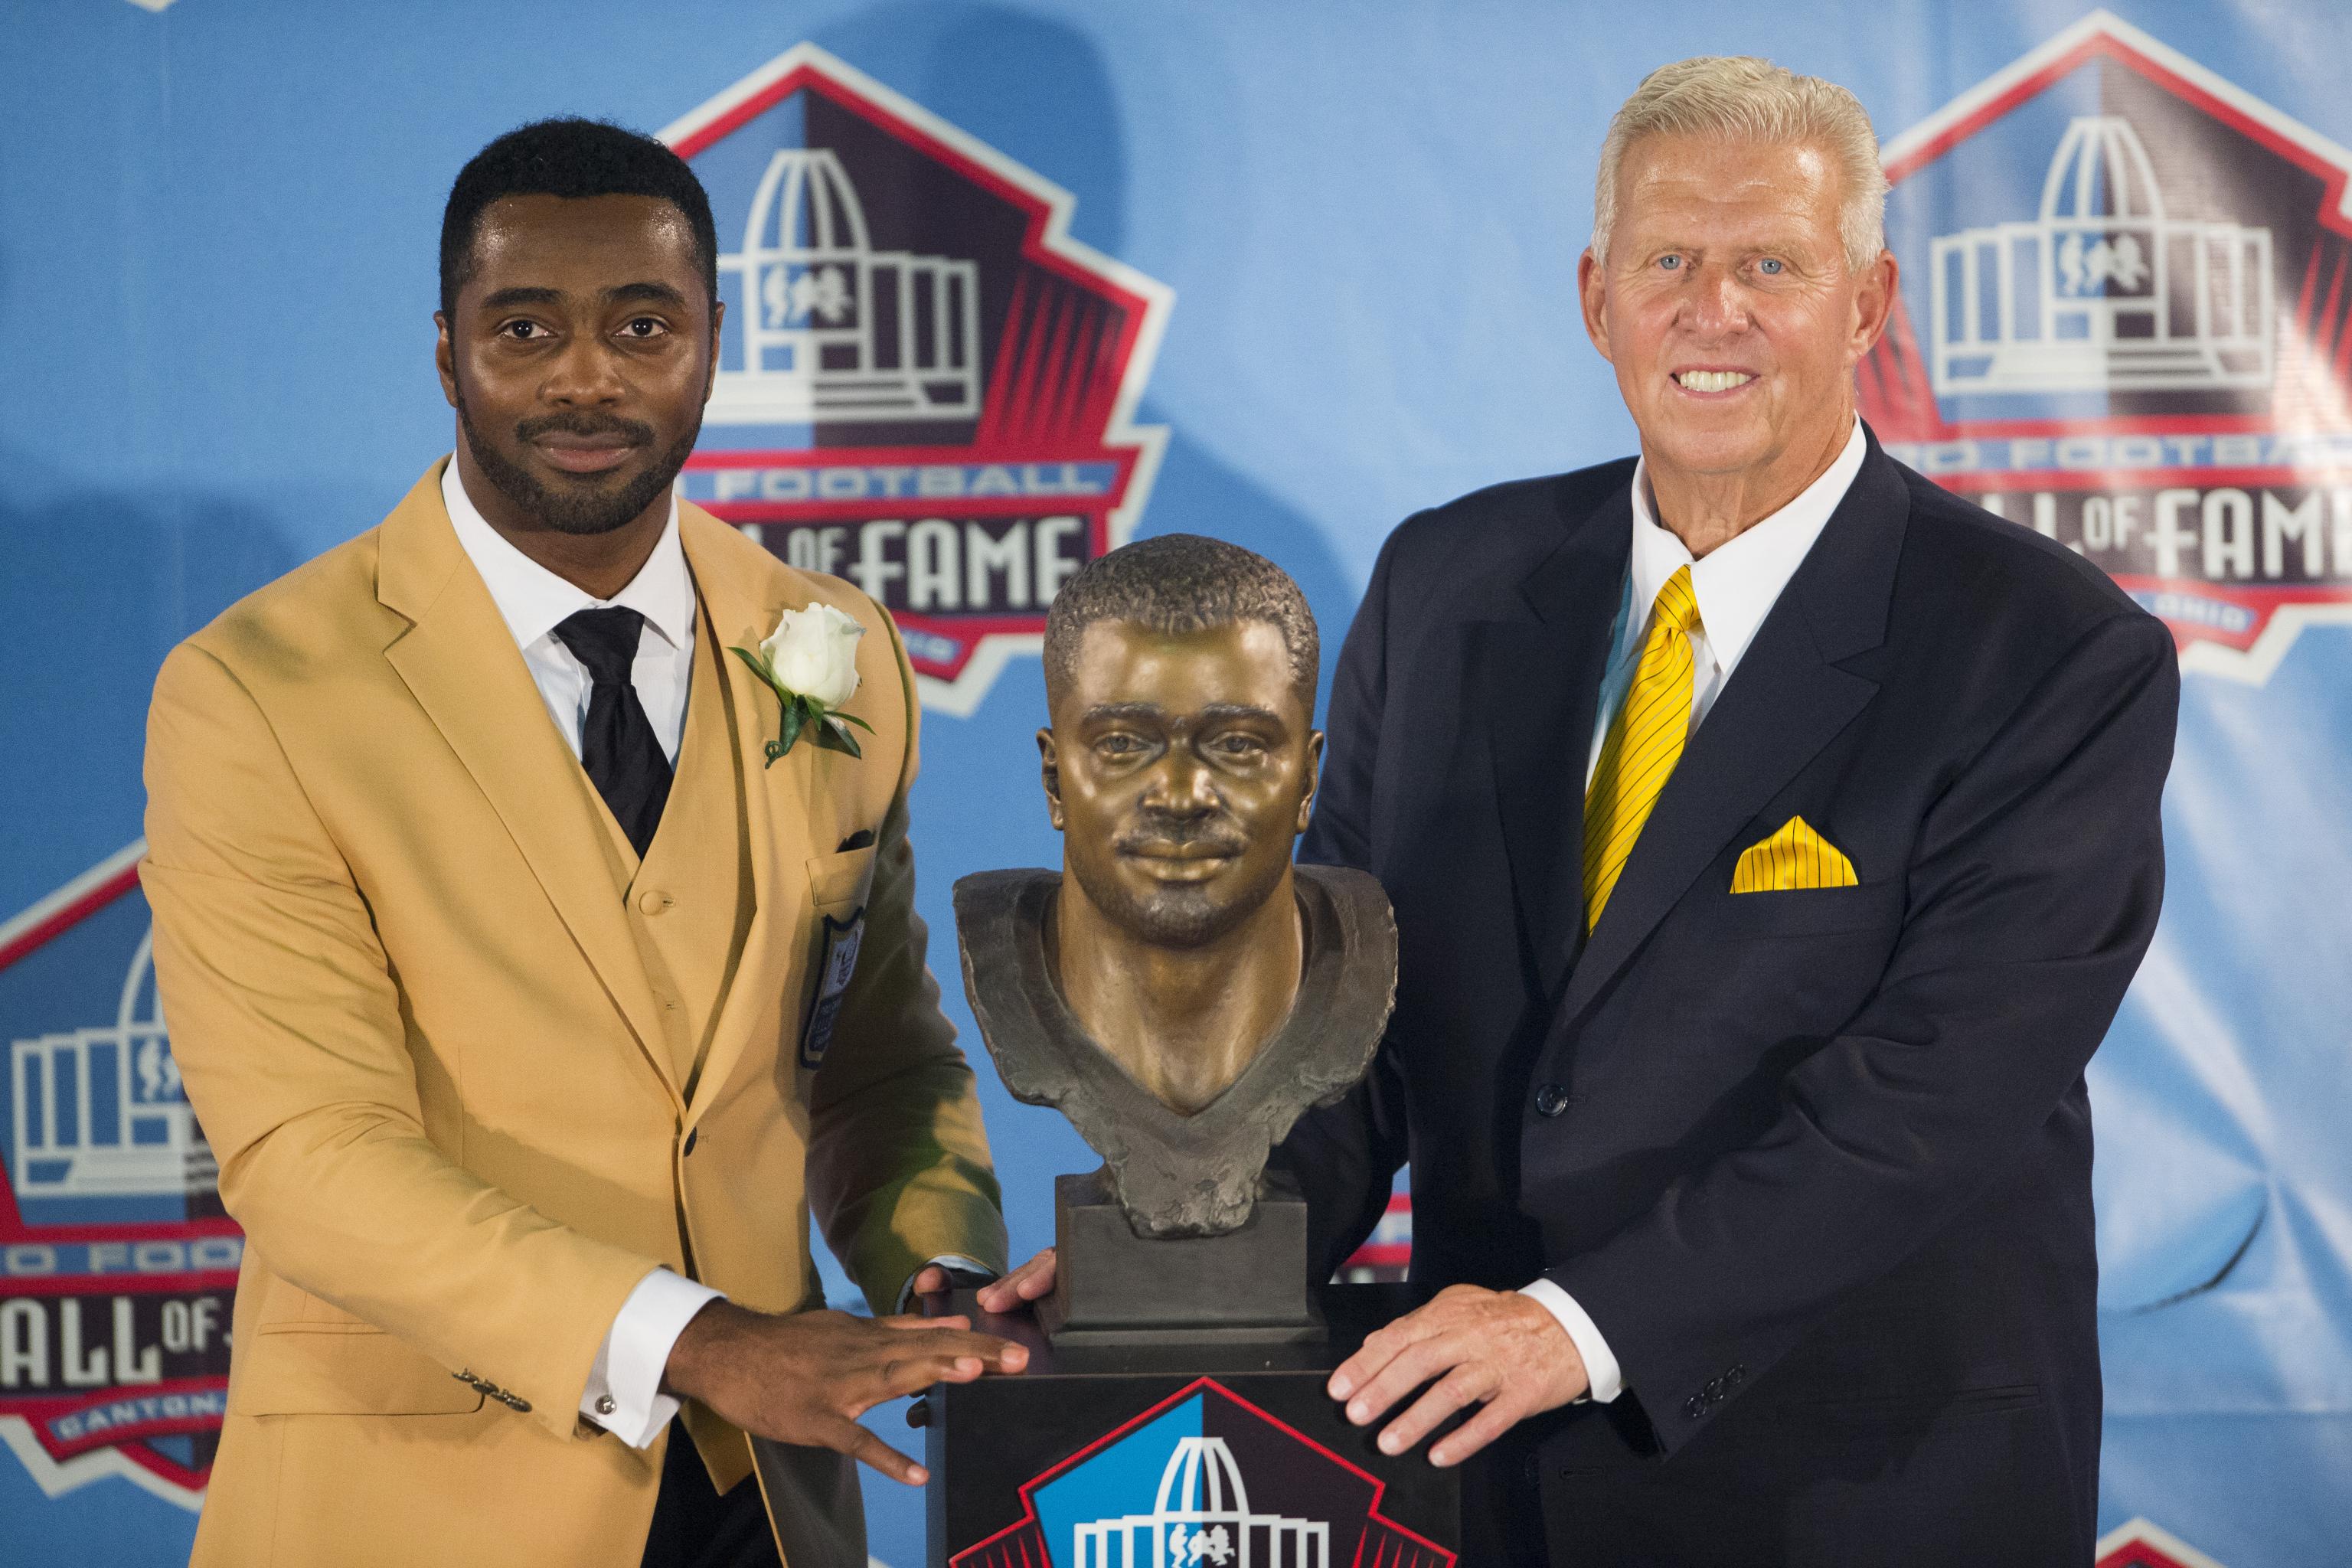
[1737, 98]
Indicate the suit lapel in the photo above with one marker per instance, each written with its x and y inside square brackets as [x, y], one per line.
[737, 612]
[1539, 677]
[1787, 699]
[461, 664]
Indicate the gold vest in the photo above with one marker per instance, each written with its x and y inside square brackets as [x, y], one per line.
[691, 946]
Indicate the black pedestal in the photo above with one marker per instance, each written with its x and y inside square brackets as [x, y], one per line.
[1136, 1451]
[1246, 1286]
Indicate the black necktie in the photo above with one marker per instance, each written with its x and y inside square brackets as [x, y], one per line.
[617, 746]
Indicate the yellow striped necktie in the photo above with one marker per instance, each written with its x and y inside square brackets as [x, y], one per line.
[1644, 743]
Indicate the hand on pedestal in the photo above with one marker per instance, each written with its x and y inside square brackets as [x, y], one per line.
[1033, 1281]
[806, 1377]
[1496, 1347]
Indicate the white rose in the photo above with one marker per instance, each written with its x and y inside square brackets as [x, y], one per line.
[814, 654]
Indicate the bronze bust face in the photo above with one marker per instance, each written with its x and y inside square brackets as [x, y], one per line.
[1180, 991]
[1179, 767]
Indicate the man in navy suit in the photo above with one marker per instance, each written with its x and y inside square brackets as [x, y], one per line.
[1772, 837]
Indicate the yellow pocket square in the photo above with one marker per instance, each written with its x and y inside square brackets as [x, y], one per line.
[1795, 857]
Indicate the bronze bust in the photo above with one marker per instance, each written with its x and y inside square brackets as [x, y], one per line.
[1180, 991]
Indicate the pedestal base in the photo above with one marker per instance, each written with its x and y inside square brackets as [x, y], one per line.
[1133, 1451]
[1247, 1287]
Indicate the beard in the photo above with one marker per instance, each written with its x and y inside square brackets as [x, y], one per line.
[584, 512]
[1179, 914]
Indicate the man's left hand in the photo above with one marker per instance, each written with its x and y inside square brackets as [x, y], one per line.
[1494, 1348]
[1010, 1294]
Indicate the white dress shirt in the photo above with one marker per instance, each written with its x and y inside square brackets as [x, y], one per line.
[1736, 584]
[534, 602]
[623, 1394]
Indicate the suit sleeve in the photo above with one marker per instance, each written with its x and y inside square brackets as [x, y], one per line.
[899, 1166]
[2032, 893]
[1346, 1156]
[285, 1024]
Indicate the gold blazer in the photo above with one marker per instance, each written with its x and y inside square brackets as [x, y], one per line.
[471, 1070]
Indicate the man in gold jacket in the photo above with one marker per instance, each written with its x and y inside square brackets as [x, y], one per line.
[529, 1007]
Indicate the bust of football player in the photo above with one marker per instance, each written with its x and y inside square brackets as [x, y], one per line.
[1180, 990]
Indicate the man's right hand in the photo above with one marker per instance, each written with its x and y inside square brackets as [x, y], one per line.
[806, 1377]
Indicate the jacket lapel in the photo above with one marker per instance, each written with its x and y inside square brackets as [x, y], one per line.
[461, 664]
[737, 612]
[1787, 699]
[1539, 673]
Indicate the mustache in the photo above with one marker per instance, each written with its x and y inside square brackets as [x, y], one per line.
[579, 422]
[1162, 834]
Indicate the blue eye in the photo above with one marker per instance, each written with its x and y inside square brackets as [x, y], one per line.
[1771, 267]
[1670, 262]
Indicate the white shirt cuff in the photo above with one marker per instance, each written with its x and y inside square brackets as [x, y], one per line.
[944, 1260]
[623, 1394]
[1601, 1369]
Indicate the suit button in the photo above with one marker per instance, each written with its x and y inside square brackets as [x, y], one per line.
[1551, 1100]
[1731, 1379]
[653, 903]
[693, 1135]
[1694, 1407]
[1714, 1390]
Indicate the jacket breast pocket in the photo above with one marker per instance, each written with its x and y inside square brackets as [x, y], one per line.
[1810, 912]
[839, 882]
[839, 885]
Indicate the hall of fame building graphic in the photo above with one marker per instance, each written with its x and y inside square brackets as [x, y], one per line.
[925, 385]
[117, 1268]
[2125, 321]
[1203, 1478]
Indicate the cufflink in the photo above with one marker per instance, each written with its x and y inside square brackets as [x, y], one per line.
[605, 1404]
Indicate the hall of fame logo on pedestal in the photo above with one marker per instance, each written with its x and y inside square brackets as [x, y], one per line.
[2126, 322]
[1204, 1479]
[925, 385]
[117, 1267]
[2137, 1544]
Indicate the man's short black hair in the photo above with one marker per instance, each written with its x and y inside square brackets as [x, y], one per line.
[1180, 582]
[574, 158]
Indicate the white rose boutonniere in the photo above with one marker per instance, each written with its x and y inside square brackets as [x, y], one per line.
[810, 661]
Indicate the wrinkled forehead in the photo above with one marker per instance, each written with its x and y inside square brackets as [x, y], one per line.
[1181, 674]
[1692, 186]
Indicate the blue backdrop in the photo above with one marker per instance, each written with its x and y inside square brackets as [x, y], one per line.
[1282, 274]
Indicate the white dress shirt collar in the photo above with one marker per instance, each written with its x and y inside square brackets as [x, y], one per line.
[534, 601]
[1739, 581]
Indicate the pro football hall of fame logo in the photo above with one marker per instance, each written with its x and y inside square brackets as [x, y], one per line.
[2126, 322]
[117, 1266]
[925, 385]
[1204, 1479]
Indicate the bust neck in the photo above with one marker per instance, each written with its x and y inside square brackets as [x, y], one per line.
[1183, 1021]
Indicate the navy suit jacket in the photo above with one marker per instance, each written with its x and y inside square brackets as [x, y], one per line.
[1795, 1152]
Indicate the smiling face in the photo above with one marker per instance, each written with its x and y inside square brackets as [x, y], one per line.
[1179, 768]
[578, 355]
[1727, 309]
